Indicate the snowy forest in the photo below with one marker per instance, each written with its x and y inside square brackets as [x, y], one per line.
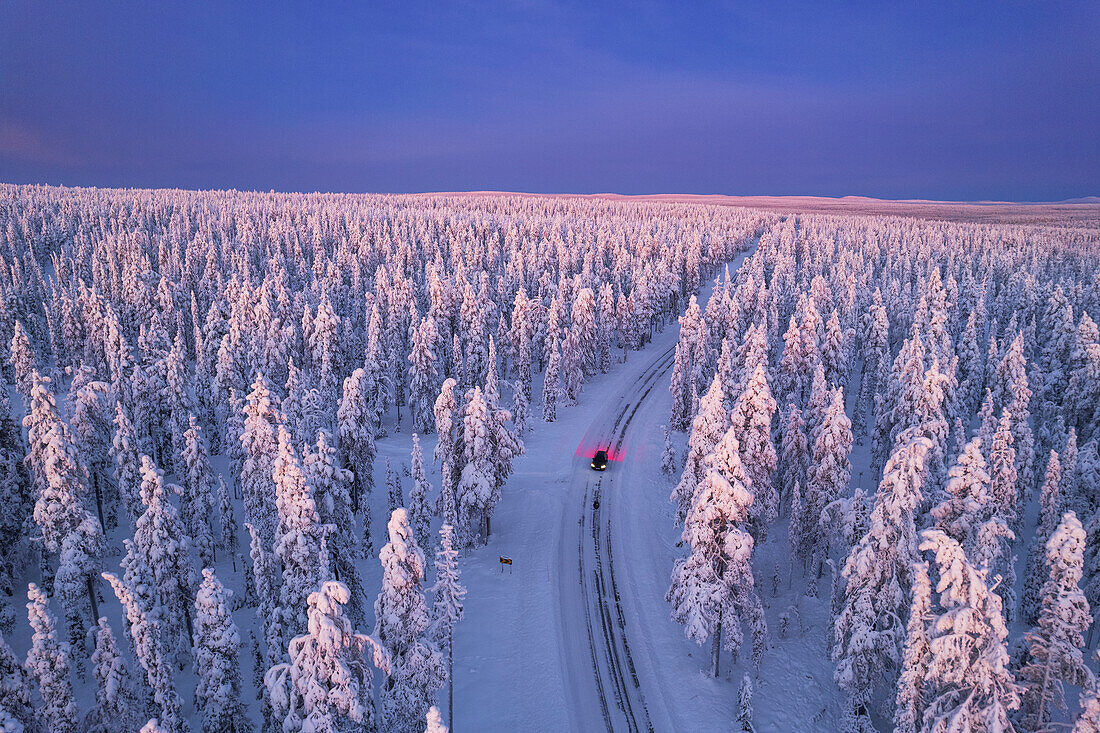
[261, 456]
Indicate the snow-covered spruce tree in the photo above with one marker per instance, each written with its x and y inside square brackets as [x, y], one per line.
[291, 404]
[177, 399]
[834, 353]
[228, 528]
[423, 375]
[393, 488]
[1011, 391]
[668, 454]
[606, 327]
[91, 428]
[265, 579]
[970, 364]
[752, 419]
[876, 345]
[990, 551]
[164, 544]
[1004, 484]
[299, 537]
[680, 388]
[1055, 656]
[752, 353]
[969, 684]
[217, 662]
[476, 492]
[488, 447]
[987, 422]
[794, 449]
[57, 470]
[794, 369]
[258, 453]
[74, 585]
[707, 428]
[118, 706]
[492, 381]
[583, 318]
[869, 630]
[521, 409]
[909, 701]
[448, 452]
[420, 512]
[1082, 396]
[333, 501]
[326, 686]
[17, 503]
[968, 503]
[507, 444]
[551, 386]
[229, 378]
[474, 337]
[197, 500]
[520, 337]
[1051, 501]
[16, 692]
[831, 471]
[1075, 499]
[744, 703]
[417, 671]
[895, 402]
[356, 441]
[713, 589]
[323, 351]
[23, 361]
[447, 608]
[232, 447]
[374, 382]
[48, 662]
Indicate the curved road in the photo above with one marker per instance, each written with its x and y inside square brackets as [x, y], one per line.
[598, 662]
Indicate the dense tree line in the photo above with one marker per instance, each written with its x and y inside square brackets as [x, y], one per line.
[153, 337]
[961, 362]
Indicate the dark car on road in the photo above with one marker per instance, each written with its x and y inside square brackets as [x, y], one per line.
[599, 461]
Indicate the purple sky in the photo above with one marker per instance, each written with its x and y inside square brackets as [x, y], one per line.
[954, 100]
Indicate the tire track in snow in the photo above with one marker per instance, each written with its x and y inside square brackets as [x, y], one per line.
[588, 616]
[614, 627]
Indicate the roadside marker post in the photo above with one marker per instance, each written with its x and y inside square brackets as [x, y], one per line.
[505, 561]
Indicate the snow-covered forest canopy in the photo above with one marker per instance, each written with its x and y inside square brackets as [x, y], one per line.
[233, 420]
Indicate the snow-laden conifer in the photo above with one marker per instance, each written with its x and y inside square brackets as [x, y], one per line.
[217, 659]
[197, 499]
[447, 607]
[48, 662]
[713, 590]
[869, 630]
[1055, 657]
[417, 670]
[420, 513]
[707, 428]
[354, 436]
[117, 705]
[970, 686]
[326, 684]
[299, 537]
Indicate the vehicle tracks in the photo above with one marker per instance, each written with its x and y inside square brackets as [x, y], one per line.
[621, 673]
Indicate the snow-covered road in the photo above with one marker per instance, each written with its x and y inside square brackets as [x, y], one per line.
[595, 643]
